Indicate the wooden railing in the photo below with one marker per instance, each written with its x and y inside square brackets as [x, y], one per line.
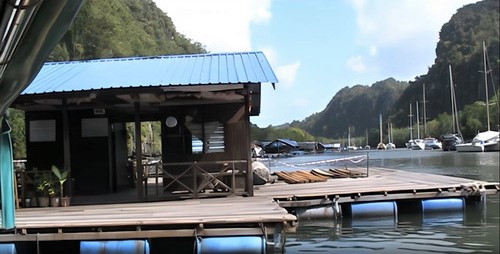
[210, 179]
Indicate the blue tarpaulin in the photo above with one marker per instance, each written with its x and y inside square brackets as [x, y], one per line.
[6, 177]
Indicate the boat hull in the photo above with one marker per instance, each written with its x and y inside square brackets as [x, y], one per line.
[469, 147]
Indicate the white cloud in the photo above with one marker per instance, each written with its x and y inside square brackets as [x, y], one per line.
[373, 51]
[221, 25]
[300, 102]
[356, 64]
[271, 55]
[287, 73]
[385, 23]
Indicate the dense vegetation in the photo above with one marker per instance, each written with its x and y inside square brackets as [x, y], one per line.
[357, 107]
[460, 46]
[114, 28]
[121, 28]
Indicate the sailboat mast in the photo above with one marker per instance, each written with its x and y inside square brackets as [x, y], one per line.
[349, 137]
[418, 123]
[392, 137]
[425, 113]
[486, 85]
[388, 133]
[411, 124]
[366, 130]
[452, 100]
[380, 131]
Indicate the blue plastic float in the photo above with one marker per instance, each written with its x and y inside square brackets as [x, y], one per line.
[114, 247]
[232, 244]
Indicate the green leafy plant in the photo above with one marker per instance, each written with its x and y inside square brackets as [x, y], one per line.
[45, 185]
[62, 176]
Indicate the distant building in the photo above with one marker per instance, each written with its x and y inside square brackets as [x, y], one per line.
[281, 146]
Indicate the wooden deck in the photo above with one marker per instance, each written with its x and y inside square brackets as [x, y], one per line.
[260, 215]
[187, 218]
[381, 184]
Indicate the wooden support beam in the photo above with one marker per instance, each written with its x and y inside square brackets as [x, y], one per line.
[66, 145]
[249, 176]
[138, 150]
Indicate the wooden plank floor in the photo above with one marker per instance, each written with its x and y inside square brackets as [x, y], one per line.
[240, 211]
[379, 180]
[236, 210]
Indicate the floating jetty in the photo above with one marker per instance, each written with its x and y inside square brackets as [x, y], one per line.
[258, 223]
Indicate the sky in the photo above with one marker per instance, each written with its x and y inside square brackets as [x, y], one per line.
[317, 47]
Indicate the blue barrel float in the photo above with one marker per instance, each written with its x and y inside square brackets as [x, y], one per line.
[443, 210]
[7, 248]
[231, 244]
[374, 214]
[115, 247]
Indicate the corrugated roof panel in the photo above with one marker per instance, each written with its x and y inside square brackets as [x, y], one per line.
[196, 69]
[214, 69]
[223, 78]
[265, 67]
[232, 76]
[240, 69]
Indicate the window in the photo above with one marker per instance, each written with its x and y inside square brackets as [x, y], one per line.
[207, 137]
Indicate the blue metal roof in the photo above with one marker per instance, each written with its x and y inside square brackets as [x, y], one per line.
[195, 69]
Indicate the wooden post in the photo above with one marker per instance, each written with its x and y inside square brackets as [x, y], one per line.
[138, 150]
[66, 146]
[249, 176]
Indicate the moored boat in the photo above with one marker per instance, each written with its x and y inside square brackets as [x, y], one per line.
[483, 142]
[432, 143]
[418, 144]
[450, 141]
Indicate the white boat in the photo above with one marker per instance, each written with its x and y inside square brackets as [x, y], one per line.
[389, 145]
[432, 143]
[487, 140]
[483, 142]
[418, 144]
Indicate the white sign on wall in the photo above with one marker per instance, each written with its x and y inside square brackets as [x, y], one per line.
[94, 127]
[42, 130]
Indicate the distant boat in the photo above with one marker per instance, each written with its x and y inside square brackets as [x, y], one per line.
[349, 146]
[389, 145]
[432, 143]
[483, 142]
[450, 141]
[487, 140]
[454, 138]
[418, 144]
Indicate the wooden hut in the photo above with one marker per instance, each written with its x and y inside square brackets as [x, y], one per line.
[76, 114]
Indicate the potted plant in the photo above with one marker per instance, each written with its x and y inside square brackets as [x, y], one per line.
[62, 176]
[44, 188]
[54, 199]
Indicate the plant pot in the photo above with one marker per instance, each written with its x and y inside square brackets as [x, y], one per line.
[27, 202]
[34, 202]
[54, 201]
[65, 201]
[43, 201]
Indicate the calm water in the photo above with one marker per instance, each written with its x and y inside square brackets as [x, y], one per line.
[440, 236]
